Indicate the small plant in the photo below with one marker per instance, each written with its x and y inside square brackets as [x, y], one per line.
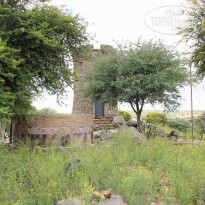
[155, 118]
[149, 130]
[127, 116]
[97, 136]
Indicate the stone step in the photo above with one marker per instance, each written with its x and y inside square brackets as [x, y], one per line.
[102, 122]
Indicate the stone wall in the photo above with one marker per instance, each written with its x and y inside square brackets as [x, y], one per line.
[80, 103]
[48, 129]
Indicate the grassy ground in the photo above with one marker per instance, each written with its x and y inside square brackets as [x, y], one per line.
[154, 171]
[182, 114]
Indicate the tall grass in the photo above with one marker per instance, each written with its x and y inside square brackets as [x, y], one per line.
[155, 170]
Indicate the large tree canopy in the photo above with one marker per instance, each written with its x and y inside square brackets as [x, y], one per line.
[194, 33]
[37, 42]
[141, 73]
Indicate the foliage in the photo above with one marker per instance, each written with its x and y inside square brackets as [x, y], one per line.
[156, 169]
[156, 118]
[46, 111]
[127, 116]
[138, 73]
[200, 122]
[179, 124]
[37, 43]
[193, 32]
[149, 130]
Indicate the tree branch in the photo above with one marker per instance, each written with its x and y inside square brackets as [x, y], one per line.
[133, 106]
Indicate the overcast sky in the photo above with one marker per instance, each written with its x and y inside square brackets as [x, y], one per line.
[120, 20]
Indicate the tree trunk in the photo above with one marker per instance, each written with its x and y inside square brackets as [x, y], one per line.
[138, 121]
[11, 136]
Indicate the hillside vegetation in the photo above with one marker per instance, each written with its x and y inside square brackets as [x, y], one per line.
[153, 171]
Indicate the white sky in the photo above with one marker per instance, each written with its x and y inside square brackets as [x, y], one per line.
[121, 20]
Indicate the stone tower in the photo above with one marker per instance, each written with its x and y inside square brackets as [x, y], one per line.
[82, 105]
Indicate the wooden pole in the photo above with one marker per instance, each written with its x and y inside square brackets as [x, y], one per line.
[192, 119]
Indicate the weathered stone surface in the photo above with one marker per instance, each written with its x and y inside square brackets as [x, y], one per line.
[162, 134]
[113, 200]
[48, 129]
[118, 121]
[107, 193]
[82, 104]
[172, 138]
[97, 195]
[72, 201]
[139, 136]
[174, 133]
[104, 135]
[132, 123]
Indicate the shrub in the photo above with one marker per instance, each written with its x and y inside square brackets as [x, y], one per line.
[155, 118]
[200, 123]
[127, 116]
[179, 124]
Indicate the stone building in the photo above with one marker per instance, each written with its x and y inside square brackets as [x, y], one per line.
[82, 105]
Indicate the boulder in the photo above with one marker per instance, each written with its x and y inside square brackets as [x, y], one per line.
[162, 133]
[72, 201]
[107, 193]
[174, 133]
[113, 200]
[104, 135]
[139, 136]
[132, 123]
[118, 121]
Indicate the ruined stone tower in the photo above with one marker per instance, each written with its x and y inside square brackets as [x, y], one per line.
[82, 105]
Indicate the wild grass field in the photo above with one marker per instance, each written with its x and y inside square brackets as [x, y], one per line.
[154, 171]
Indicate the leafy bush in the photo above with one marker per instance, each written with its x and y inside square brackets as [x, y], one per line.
[179, 124]
[127, 116]
[149, 130]
[200, 123]
[155, 118]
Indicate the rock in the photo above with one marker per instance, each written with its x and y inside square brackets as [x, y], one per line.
[72, 201]
[112, 132]
[107, 193]
[74, 165]
[172, 138]
[174, 133]
[132, 123]
[97, 195]
[143, 123]
[104, 135]
[118, 121]
[139, 136]
[114, 200]
[162, 134]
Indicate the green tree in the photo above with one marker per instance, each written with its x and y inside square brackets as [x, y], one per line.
[141, 73]
[37, 44]
[194, 33]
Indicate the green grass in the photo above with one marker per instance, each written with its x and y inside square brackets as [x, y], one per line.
[155, 170]
[182, 114]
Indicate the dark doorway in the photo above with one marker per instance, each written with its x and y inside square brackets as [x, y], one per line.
[99, 109]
